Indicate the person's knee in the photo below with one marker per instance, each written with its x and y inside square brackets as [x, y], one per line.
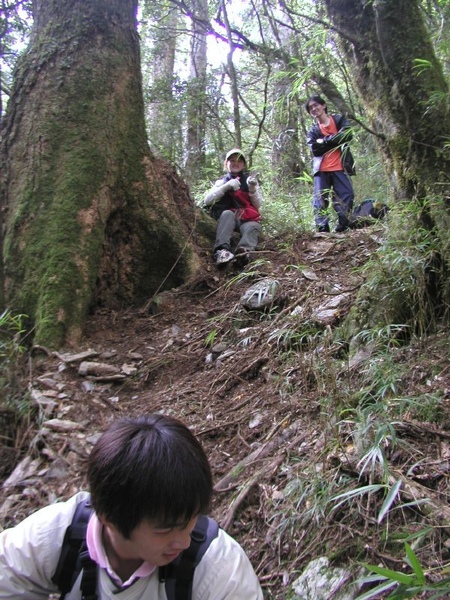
[227, 214]
[251, 227]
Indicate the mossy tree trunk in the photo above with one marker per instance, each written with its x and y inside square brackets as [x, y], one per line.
[389, 51]
[407, 102]
[90, 217]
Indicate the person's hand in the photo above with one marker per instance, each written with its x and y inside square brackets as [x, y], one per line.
[252, 183]
[234, 184]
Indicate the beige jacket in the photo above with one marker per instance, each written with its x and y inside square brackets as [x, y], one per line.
[30, 551]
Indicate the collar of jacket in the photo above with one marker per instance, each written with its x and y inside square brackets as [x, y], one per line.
[338, 121]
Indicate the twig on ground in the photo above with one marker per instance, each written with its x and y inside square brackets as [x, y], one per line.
[264, 471]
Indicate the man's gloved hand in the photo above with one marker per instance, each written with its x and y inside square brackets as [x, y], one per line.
[252, 183]
[233, 185]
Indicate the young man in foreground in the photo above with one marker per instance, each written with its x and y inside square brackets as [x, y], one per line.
[149, 480]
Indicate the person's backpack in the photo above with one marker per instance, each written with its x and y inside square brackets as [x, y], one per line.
[367, 212]
[178, 575]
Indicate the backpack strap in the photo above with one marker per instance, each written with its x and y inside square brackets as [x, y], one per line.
[88, 584]
[179, 574]
[74, 552]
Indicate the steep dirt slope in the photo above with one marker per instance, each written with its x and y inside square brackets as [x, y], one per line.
[238, 377]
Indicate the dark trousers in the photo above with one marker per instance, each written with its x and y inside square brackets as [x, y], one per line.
[338, 184]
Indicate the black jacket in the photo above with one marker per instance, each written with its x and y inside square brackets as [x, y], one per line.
[339, 140]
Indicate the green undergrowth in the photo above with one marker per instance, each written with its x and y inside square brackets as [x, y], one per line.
[359, 480]
[351, 500]
[12, 350]
[15, 405]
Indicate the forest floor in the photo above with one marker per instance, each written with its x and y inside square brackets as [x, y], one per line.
[248, 385]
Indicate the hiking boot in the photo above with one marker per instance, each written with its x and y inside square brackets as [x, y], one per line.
[221, 257]
[343, 224]
[242, 257]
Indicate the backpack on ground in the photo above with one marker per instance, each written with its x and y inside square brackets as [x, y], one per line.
[177, 576]
[367, 212]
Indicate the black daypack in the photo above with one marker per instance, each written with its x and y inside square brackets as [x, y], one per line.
[367, 212]
[178, 575]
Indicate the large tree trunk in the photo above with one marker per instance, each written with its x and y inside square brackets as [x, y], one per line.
[406, 103]
[89, 216]
[405, 93]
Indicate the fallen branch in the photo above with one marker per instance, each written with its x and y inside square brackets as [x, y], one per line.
[431, 505]
[229, 480]
[263, 472]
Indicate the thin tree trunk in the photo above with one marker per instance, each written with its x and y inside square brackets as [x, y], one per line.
[196, 93]
[231, 71]
[163, 119]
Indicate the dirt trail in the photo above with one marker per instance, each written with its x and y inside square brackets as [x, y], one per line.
[237, 377]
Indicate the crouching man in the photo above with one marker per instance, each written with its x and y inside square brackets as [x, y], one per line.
[149, 482]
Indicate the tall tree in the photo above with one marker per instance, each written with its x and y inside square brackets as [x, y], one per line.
[14, 25]
[89, 215]
[196, 92]
[160, 32]
[231, 71]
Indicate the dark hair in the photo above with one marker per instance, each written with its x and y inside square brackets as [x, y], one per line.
[150, 468]
[317, 99]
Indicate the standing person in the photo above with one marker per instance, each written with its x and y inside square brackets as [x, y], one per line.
[149, 480]
[235, 201]
[332, 165]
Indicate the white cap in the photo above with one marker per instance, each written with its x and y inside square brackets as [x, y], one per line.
[235, 151]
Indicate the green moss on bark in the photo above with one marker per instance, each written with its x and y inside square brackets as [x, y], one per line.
[90, 218]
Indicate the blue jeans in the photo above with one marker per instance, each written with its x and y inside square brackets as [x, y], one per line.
[339, 184]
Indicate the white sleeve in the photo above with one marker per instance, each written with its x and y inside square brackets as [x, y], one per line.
[218, 191]
[256, 197]
[225, 573]
[29, 552]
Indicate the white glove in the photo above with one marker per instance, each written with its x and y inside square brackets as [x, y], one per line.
[233, 185]
[219, 190]
[252, 183]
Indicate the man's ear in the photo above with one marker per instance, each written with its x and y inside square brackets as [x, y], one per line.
[107, 525]
[103, 520]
